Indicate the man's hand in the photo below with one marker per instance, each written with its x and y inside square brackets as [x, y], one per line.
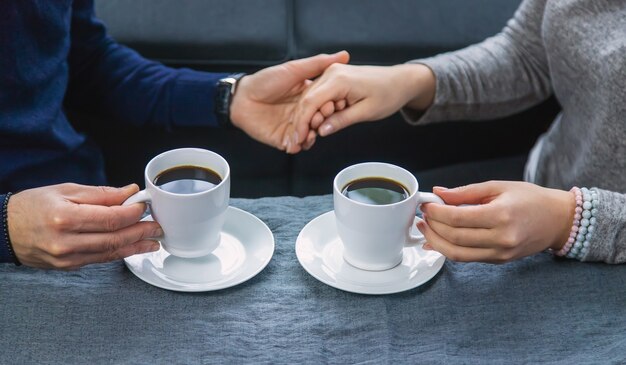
[67, 226]
[264, 103]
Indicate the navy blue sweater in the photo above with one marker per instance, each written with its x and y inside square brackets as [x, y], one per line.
[56, 55]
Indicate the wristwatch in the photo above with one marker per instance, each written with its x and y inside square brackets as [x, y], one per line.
[226, 88]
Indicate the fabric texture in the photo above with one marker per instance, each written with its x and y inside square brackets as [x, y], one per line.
[57, 55]
[535, 310]
[576, 50]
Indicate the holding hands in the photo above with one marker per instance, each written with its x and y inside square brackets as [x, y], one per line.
[492, 222]
[362, 93]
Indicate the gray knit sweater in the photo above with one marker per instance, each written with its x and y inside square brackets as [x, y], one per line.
[576, 50]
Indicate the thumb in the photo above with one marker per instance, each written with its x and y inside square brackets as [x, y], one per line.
[311, 67]
[469, 194]
[341, 119]
[102, 195]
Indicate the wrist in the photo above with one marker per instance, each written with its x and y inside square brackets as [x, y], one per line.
[226, 90]
[237, 105]
[419, 85]
[564, 204]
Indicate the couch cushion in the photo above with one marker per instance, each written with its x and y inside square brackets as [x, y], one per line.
[377, 31]
[201, 31]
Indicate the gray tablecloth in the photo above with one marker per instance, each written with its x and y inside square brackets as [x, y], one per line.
[536, 310]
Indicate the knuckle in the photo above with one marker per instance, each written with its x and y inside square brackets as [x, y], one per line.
[335, 67]
[455, 218]
[505, 217]
[112, 256]
[507, 241]
[506, 256]
[510, 239]
[106, 189]
[68, 187]
[64, 264]
[60, 222]
[455, 236]
[112, 242]
[111, 224]
[58, 250]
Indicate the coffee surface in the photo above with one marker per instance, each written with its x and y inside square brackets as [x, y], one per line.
[187, 179]
[375, 191]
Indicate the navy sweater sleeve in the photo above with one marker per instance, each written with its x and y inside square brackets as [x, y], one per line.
[112, 79]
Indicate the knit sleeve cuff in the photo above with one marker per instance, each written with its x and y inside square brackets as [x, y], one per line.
[438, 111]
[609, 241]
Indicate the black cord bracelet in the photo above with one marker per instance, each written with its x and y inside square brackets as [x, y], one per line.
[5, 229]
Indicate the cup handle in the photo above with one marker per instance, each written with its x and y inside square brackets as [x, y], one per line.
[414, 240]
[139, 197]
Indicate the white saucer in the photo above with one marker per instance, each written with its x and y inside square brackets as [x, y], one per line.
[246, 247]
[320, 252]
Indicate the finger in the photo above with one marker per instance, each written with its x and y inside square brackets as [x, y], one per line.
[340, 105]
[470, 194]
[454, 252]
[468, 237]
[328, 109]
[98, 218]
[107, 243]
[143, 246]
[136, 248]
[291, 143]
[317, 119]
[310, 141]
[311, 67]
[469, 216]
[101, 195]
[342, 119]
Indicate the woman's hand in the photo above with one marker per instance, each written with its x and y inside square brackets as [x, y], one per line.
[504, 221]
[347, 94]
[67, 226]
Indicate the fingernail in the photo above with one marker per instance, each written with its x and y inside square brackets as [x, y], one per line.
[296, 138]
[127, 187]
[427, 246]
[326, 129]
[155, 246]
[285, 142]
[158, 232]
[439, 188]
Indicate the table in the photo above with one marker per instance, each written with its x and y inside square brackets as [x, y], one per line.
[533, 310]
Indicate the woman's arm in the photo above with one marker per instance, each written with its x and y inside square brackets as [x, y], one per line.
[500, 76]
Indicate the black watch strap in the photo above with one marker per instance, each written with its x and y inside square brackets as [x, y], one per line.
[226, 88]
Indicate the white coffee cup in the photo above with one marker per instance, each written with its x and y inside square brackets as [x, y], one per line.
[191, 222]
[373, 236]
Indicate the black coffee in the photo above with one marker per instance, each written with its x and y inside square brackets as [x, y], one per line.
[375, 191]
[187, 179]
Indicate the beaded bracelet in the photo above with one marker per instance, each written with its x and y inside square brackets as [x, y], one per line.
[5, 229]
[583, 225]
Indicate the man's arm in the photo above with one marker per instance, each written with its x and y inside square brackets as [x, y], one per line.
[112, 79]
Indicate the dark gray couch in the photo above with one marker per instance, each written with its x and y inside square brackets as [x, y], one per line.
[240, 35]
